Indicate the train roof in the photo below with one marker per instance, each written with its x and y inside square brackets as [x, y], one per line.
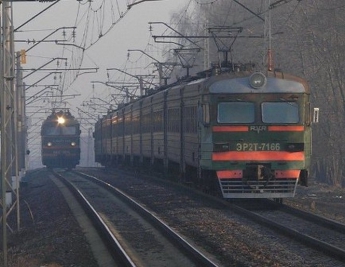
[61, 113]
[236, 81]
[240, 82]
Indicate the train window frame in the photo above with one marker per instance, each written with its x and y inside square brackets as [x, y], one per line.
[239, 119]
[157, 117]
[189, 122]
[174, 120]
[292, 118]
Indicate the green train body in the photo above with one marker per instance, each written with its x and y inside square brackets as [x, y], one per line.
[245, 133]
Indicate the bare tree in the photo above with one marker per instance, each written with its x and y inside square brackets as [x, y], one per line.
[308, 39]
[324, 35]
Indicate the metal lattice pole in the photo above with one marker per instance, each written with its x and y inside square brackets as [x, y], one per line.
[7, 108]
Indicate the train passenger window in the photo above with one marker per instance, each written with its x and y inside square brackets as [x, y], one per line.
[280, 112]
[69, 130]
[236, 112]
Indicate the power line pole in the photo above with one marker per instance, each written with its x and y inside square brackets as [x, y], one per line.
[7, 108]
[206, 41]
[268, 37]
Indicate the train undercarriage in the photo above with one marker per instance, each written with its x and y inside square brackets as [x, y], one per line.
[256, 181]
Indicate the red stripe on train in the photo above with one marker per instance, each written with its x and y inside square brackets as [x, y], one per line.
[230, 129]
[258, 156]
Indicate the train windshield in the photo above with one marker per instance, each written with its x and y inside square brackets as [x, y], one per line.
[68, 130]
[236, 112]
[280, 112]
[52, 131]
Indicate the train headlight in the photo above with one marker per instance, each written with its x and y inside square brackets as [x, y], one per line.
[49, 144]
[257, 80]
[73, 144]
[61, 120]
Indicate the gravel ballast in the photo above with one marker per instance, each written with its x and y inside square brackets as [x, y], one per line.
[51, 237]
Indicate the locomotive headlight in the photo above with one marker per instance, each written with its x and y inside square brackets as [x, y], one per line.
[73, 144]
[257, 80]
[49, 144]
[61, 120]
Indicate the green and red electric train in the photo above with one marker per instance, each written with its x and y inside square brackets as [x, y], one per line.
[245, 133]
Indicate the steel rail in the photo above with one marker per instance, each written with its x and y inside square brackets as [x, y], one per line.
[110, 240]
[200, 259]
[308, 240]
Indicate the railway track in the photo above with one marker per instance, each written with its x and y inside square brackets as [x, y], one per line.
[275, 222]
[312, 230]
[133, 235]
[315, 231]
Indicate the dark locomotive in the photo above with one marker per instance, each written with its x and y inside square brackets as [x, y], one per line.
[243, 133]
[60, 134]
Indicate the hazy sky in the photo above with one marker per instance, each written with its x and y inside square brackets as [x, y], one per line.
[110, 51]
[129, 32]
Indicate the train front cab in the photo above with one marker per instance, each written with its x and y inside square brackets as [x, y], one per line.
[261, 137]
[60, 145]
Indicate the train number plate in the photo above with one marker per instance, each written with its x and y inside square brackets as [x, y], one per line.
[257, 146]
